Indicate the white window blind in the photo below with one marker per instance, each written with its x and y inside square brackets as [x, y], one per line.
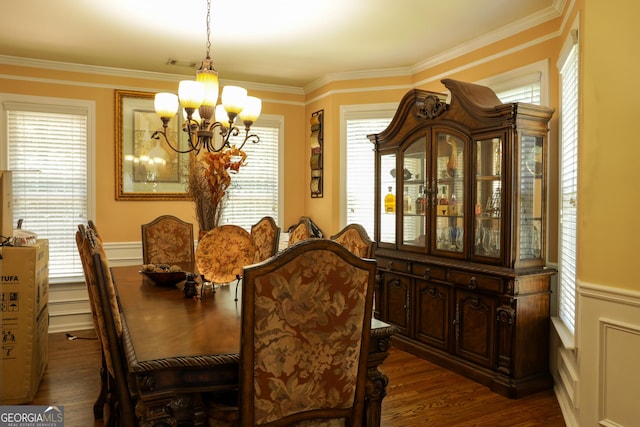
[254, 189]
[529, 93]
[568, 189]
[360, 177]
[47, 152]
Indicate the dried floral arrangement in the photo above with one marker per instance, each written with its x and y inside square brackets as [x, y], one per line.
[209, 179]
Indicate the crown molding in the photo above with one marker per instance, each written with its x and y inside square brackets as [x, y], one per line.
[357, 75]
[552, 12]
[137, 74]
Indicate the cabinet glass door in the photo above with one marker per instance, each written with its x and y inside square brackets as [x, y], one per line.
[531, 170]
[450, 192]
[488, 194]
[388, 198]
[414, 198]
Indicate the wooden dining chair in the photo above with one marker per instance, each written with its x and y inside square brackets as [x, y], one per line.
[355, 238]
[306, 319]
[114, 394]
[168, 240]
[85, 250]
[266, 236]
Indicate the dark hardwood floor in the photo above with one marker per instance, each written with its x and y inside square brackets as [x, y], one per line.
[419, 392]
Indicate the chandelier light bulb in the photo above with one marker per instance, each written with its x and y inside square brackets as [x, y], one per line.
[209, 80]
[251, 110]
[233, 99]
[190, 94]
[222, 116]
[166, 105]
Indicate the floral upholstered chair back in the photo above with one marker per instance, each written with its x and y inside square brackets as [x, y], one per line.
[306, 319]
[355, 238]
[167, 240]
[266, 235]
[299, 233]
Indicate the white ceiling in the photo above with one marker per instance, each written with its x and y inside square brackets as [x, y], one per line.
[284, 42]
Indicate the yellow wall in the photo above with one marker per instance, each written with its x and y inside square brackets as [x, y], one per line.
[609, 231]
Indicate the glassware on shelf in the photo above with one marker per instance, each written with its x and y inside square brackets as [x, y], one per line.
[406, 201]
[493, 207]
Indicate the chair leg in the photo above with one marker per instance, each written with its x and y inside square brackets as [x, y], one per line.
[98, 406]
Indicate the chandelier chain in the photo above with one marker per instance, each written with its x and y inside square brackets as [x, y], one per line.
[208, 28]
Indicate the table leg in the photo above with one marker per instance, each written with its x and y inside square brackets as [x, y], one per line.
[179, 410]
[376, 388]
[376, 391]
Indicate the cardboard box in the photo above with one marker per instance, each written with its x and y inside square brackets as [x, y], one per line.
[24, 280]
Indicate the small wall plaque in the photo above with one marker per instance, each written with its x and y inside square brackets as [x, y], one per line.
[316, 153]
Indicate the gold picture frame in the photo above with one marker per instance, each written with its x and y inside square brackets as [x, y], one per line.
[147, 168]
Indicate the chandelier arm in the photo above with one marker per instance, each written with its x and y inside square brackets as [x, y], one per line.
[253, 138]
[191, 128]
[156, 135]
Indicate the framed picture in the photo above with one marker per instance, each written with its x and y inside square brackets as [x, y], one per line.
[148, 168]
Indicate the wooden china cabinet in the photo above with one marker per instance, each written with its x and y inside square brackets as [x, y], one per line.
[461, 229]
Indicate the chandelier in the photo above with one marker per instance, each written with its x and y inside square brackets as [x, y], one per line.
[203, 117]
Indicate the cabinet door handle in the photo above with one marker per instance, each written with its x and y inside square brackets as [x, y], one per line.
[473, 283]
[427, 273]
[389, 264]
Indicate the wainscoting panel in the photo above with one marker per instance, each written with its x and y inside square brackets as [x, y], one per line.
[608, 346]
[620, 354]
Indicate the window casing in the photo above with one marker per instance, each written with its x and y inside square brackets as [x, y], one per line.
[49, 148]
[255, 189]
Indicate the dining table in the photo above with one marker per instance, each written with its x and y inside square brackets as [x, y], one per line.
[178, 347]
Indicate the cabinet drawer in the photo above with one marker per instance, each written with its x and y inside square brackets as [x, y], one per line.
[475, 281]
[427, 271]
[393, 264]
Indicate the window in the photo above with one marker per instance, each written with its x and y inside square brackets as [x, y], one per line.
[568, 184]
[48, 148]
[359, 165]
[254, 191]
[529, 93]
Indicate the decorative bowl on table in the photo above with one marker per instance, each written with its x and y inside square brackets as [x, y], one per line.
[163, 274]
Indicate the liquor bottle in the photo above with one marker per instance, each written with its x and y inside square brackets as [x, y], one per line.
[390, 202]
[443, 204]
[421, 202]
[407, 201]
